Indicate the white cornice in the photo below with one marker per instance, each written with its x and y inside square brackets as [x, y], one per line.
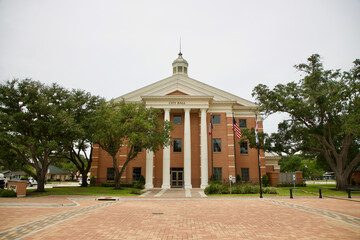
[186, 85]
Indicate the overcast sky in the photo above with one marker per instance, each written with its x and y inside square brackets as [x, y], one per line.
[110, 48]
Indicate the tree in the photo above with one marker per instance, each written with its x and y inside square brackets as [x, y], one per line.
[34, 126]
[324, 117]
[79, 146]
[310, 167]
[131, 125]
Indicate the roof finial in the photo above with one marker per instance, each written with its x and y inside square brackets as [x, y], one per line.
[180, 47]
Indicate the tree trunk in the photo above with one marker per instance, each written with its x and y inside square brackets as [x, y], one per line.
[341, 181]
[117, 174]
[84, 179]
[41, 179]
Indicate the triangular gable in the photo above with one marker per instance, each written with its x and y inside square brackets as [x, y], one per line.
[177, 84]
[177, 92]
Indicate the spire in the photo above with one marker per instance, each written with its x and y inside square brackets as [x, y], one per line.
[180, 65]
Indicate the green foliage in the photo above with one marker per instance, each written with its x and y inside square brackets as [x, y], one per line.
[310, 168]
[129, 185]
[238, 179]
[248, 135]
[324, 118]
[215, 181]
[265, 180]
[35, 125]
[224, 188]
[131, 125]
[138, 185]
[92, 181]
[142, 179]
[270, 190]
[7, 193]
[85, 191]
[217, 189]
[291, 185]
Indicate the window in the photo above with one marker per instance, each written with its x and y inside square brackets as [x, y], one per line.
[216, 119]
[217, 145]
[242, 123]
[217, 174]
[244, 148]
[136, 173]
[179, 68]
[177, 119]
[185, 69]
[177, 145]
[174, 70]
[245, 174]
[110, 174]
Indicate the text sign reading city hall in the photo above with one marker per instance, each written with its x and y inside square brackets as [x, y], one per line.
[176, 103]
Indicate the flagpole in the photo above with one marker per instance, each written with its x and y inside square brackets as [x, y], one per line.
[234, 148]
[258, 150]
[212, 150]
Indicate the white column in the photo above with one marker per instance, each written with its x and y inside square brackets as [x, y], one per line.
[166, 157]
[149, 169]
[203, 150]
[187, 149]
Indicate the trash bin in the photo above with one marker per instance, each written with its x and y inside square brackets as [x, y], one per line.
[18, 186]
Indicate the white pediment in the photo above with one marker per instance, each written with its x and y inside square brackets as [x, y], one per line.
[186, 86]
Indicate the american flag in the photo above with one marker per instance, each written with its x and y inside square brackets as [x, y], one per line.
[236, 129]
[210, 127]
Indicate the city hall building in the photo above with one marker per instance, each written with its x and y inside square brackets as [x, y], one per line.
[191, 159]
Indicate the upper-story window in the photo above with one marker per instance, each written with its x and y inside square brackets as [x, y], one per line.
[242, 123]
[216, 119]
[179, 68]
[244, 148]
[177, 119]
[217, 145]
[177, 145]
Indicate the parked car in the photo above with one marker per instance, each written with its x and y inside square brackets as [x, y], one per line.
[88, 181]
[30, 181]
[2, 181]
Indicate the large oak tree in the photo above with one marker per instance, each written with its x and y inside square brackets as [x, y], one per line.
[129, 125]
[34, 126]
[324, 115]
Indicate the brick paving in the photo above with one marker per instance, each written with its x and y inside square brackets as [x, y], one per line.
[166, 217]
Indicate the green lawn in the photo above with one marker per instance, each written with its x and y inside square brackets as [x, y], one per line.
[309, 190]
[89, 191]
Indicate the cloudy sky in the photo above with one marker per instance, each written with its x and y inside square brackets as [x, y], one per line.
[110, 48]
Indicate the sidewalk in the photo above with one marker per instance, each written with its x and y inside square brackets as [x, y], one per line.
[173, 215]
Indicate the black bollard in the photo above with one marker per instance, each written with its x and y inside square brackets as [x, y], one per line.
[349, 194]
[320, 195]
[291, 196]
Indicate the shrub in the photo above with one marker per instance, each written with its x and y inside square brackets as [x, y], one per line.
[142, 179]
[138, 185]
[217, 189]
[215, 182]
[7, 193]
[291, 185]
[238, 179]
[224, 188]
[270, 190]
[113, 184]
[92, 181]
[265, 180]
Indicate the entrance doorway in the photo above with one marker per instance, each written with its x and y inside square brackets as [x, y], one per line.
[177, 177]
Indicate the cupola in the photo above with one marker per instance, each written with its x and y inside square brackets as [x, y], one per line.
[180, 65]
